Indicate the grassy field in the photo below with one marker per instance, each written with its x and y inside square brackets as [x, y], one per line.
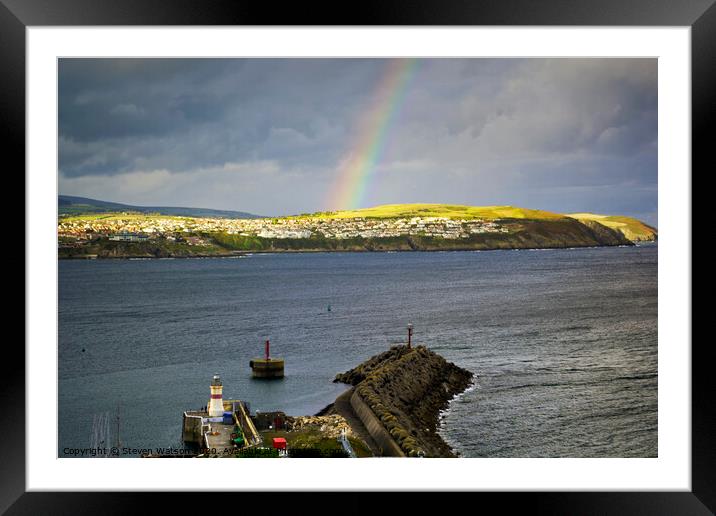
[314, 439]
[633, 229]
[453, 211]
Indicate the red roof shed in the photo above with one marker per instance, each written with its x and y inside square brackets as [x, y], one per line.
[279, 443]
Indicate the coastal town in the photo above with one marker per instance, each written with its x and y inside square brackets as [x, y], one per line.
[411, 227]
[132, 227]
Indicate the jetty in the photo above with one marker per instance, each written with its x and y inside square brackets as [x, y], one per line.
[398, 394]
[221, 428]
[392, 409]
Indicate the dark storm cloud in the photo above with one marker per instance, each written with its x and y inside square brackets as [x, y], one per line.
[181, 114]
[268, 135]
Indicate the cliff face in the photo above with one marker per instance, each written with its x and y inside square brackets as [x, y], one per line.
[406, 389]
[631, 228]
[520, 234]
[605, 234]
[565, 232]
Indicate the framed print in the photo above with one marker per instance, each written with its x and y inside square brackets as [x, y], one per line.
[453, 242]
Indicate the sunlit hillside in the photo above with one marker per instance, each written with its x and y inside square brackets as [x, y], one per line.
[634, 229]
[454, 211]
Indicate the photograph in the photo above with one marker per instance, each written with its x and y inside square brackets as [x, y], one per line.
[357, 257]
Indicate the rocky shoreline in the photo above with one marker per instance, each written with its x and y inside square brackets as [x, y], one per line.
[405, 389]
[239, 254]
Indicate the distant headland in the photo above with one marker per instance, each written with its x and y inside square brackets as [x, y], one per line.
[397, 227]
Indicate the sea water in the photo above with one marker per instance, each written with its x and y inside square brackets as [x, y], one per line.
[563, 343]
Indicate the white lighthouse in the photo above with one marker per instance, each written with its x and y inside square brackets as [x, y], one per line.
[216, 402]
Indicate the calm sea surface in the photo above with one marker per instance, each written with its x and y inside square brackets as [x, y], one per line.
[563, 342]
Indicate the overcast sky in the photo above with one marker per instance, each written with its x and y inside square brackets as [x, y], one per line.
[270, 136]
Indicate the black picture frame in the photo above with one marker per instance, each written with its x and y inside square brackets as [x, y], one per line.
[700, 15]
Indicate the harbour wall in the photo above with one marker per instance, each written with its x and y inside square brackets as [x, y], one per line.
[377, 431]
[399, 395]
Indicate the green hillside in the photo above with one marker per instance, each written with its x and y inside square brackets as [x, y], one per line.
[127, 217]
[635, 230]
[68, 205]
[453, 211]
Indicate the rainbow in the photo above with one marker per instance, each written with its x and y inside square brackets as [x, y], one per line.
[358, 164]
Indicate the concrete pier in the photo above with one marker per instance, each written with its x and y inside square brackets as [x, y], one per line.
[267, 368]
[213, 434]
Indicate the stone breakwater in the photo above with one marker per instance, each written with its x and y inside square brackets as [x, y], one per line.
[399, 395]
